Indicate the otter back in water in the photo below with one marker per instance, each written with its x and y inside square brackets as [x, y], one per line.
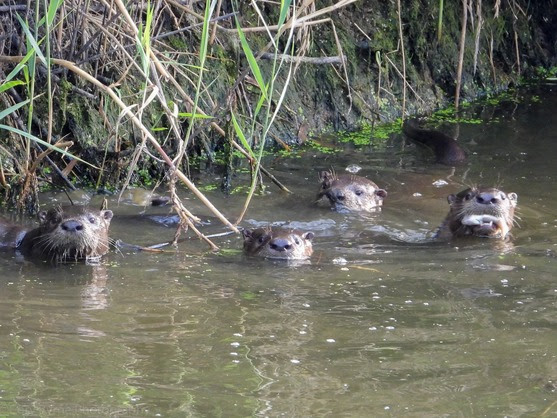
[350, 192]
[479, 211]
[283, 243]
[64, 234]
[446, 149]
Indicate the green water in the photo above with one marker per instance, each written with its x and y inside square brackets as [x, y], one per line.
[373, 326]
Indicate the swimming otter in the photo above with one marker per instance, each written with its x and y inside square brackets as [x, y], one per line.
[288, 244]
[65, 234]
[446, 149]
[480, 212]
[350, 192]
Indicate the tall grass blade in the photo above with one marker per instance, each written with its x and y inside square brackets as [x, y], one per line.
[44, 143]
[256, 71]
[13, 108]
[51, 12]
[440, 22]
[241, 135]
[209, 8]
[31, 39]
[284, 6]
[19, 66]
[194, 115]
[8, 85]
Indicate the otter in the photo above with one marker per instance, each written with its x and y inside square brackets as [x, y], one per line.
[160, 201]
[481, 212]
[446, 149]
[347, 192]
[64, 234]
[281, 243]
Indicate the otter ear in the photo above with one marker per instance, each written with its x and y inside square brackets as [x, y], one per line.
[107, 214]
[308, 235]
[513, 197]
[451, 199]
[42, 215]
[325, 178]
[247, 233]
[382, 193]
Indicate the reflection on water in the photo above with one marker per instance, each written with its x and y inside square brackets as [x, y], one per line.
[382, 322]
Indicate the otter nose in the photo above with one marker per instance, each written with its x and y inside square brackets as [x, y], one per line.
[72, 226]
[488, 198]
[280, 244]
[339, 195]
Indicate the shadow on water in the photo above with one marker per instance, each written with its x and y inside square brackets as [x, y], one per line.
[382, 321]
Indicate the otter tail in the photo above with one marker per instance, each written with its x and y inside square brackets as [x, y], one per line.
[446, 149]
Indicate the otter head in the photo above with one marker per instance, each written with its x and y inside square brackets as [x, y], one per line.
[481, 212]
[72, 233]
[287, 244]
[349, 192]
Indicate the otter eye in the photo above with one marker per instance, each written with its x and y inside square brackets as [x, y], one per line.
[296, 240]
[503, 196]
[261, 239]
[468, 196]
[92, 219]
[359, 192]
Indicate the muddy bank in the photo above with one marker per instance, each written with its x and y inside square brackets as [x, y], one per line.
[500, 51]
[395, 62]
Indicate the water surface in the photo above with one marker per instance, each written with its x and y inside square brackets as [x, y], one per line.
[380, 323]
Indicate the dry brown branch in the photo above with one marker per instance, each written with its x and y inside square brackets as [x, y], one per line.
[492, 64]
[405, 81]
[461, 52]
[299, 21]
[478, 31]
[401, 40]
[517, 51]
[343, 63]
[13, 8]
[3, 181]
[187, 220]
[214, 30]
[307, 60]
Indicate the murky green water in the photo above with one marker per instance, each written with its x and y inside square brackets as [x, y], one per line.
[372, 327]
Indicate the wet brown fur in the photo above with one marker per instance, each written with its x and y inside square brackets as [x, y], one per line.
[446, 149]
[479, 211]
[64, 234]
[350, 192]
[281, 243]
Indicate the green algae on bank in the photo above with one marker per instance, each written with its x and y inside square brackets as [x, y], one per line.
[371, 135]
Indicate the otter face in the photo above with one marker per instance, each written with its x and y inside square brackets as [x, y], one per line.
[287, 244]
[73, 233]
[481, 212]
[350, 192]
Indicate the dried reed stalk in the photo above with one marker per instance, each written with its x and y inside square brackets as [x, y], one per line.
[461, 51]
